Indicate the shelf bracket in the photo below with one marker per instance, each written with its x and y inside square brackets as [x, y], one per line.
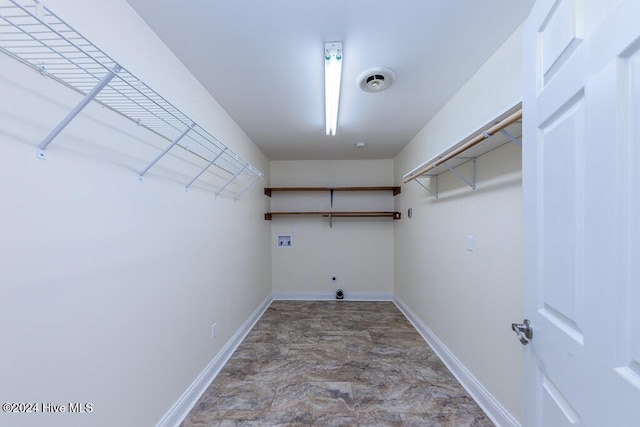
[230, 181]
[42, 153]
[433, 193]
[511, 138]
[255, 178]
[471, 184]
[166, 150]
[205, 168]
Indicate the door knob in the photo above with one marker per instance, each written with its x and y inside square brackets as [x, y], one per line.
[523, 330]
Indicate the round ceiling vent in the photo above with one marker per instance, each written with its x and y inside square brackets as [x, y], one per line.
[376, 79]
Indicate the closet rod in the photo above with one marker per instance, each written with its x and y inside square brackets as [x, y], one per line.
[476, 140]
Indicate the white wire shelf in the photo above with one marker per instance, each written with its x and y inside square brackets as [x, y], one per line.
[32, 34]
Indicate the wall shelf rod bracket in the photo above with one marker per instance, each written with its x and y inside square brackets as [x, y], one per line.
[472, 183]
[433, 193]
[511, 137]
[42, 154]
[231, 180]
[166, 150]
[204, 169]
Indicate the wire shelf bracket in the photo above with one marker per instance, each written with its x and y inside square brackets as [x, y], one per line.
[246, 187]
[35, 36]
[165, 151]
[471, 183]
[204, 169]
[511, 137]
[42, 153]
[432, 192]
[230, 181]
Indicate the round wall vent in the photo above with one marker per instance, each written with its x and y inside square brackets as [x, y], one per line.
[376, 79]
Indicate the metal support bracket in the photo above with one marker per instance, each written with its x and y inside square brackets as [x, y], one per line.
[247, 187]
[42, 154]
[472, 183]
[433, 193]
[230, 181]
[511, 138]
[204, 169]
[165, 151]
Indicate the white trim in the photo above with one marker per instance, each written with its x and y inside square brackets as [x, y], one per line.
[306, 296]
[368, 296]
[494, 410]
[189, 398]
[327, 296]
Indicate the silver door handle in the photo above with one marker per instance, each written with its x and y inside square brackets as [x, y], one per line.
[523, 330]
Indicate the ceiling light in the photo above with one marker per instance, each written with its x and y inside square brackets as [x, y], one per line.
[332, 75]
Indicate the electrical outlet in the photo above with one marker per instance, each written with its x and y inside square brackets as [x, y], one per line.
[213, 331]
[334, 279]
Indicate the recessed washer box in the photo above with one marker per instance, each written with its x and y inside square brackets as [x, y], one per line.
[284, 241]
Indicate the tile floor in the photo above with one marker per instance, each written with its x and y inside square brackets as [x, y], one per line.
[335, 363]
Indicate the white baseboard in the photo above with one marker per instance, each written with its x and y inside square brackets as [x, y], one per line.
[189, 398]
[326, 296]
[494, 410]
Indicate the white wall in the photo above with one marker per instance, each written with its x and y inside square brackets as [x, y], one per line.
[359, 251]
[468, 299]
[109, 287]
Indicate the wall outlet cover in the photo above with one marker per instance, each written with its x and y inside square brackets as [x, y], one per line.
[471, 242]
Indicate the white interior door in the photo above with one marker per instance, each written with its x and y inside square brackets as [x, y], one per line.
[581, 178]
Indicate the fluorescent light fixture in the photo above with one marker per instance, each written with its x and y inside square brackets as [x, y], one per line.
[332, 75]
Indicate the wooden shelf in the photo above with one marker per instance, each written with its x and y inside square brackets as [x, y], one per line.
[394, 189]
[371, 214]
[334, 214]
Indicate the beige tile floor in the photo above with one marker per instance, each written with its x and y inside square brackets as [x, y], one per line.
[335, 363]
